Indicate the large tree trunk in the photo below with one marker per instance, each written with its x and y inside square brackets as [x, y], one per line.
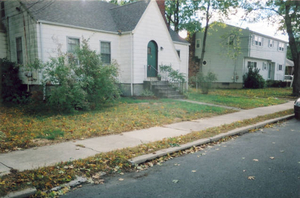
[296, 83]
[294, 50]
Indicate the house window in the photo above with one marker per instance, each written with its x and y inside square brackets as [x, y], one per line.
[198, 43]
[2, 10]
[279, 67]
[252, 64]
[257, 40]
[264, 67]
[73, 44]
[231, 40]
[271, 43]
[105, 52]
[178, 52]
[281, 46]
[19, 50]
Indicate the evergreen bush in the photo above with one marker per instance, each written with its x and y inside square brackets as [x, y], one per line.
[252, 79]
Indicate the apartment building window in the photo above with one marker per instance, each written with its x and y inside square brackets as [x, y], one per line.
[2, 9]
[281, 46]
[271, 43]
[198, 42]
[231, 39]
[264, 67]
[105, 51]
[72, 45]
[19, 50]
[257, 40]
[252, 64]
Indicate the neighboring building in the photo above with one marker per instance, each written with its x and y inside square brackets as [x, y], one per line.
[289, 67]
[135, 35]
[257, 50]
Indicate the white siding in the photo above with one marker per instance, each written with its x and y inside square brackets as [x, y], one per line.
[125, 62]
[270, 53]
[152, 27]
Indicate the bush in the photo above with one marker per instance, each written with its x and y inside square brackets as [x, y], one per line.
[83, 82]
[205, 82]
[252, 79]
[276, 83]
[12, 88]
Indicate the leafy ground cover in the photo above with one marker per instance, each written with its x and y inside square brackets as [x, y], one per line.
[244, 98]
[20, 129]
[44, 179]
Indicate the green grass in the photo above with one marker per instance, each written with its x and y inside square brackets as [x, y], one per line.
[21, 128]
[244, 98]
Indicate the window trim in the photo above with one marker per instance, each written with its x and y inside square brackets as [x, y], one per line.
[103, 41]
[271, 43]
[69, 37]
[21, 50]
[257, 40]
[281, 48]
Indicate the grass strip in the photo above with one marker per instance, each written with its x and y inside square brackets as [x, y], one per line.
[46, 178]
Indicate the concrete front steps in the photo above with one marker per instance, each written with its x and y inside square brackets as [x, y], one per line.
[163, 89]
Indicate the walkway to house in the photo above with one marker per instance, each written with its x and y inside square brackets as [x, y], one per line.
[49, 155]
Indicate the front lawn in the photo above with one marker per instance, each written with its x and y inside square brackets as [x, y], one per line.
[19, 129]
[243, 98]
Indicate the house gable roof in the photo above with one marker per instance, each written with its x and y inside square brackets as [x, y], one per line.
[99, 15]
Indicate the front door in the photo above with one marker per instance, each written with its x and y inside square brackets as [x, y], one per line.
[152, 59]
[271, 71]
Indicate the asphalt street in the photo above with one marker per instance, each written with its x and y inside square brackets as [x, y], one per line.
[265, 164]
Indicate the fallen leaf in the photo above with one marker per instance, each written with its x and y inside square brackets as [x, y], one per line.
[243, 158]
[217, 149]
[273, 142]
[175, 181]
[121, 179]
[244, 170]
[292, 130]
[256, 160]
[281, 151]
[193, 171]
[272, 158]
[251, 177]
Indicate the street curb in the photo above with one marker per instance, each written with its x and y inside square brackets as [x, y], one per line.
[238, 131]
[21, 194]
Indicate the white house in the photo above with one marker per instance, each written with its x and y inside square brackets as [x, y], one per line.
[258, 50]
[135, 35]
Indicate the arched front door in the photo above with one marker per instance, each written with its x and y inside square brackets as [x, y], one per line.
[152, 59]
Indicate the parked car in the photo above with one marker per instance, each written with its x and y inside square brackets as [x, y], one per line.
[297, 108]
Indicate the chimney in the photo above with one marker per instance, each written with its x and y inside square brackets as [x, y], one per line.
[161, 5]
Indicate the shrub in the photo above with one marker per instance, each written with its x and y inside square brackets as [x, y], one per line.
[12, 88]
[204, 81]
[176, 78]
[276, 83]
[83, 82]
[252, 79]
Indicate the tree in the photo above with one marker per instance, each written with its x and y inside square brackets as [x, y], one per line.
[210, 8]
[289, 20]
[182, 15]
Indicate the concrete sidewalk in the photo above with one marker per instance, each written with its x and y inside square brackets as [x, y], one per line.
[49, 155]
